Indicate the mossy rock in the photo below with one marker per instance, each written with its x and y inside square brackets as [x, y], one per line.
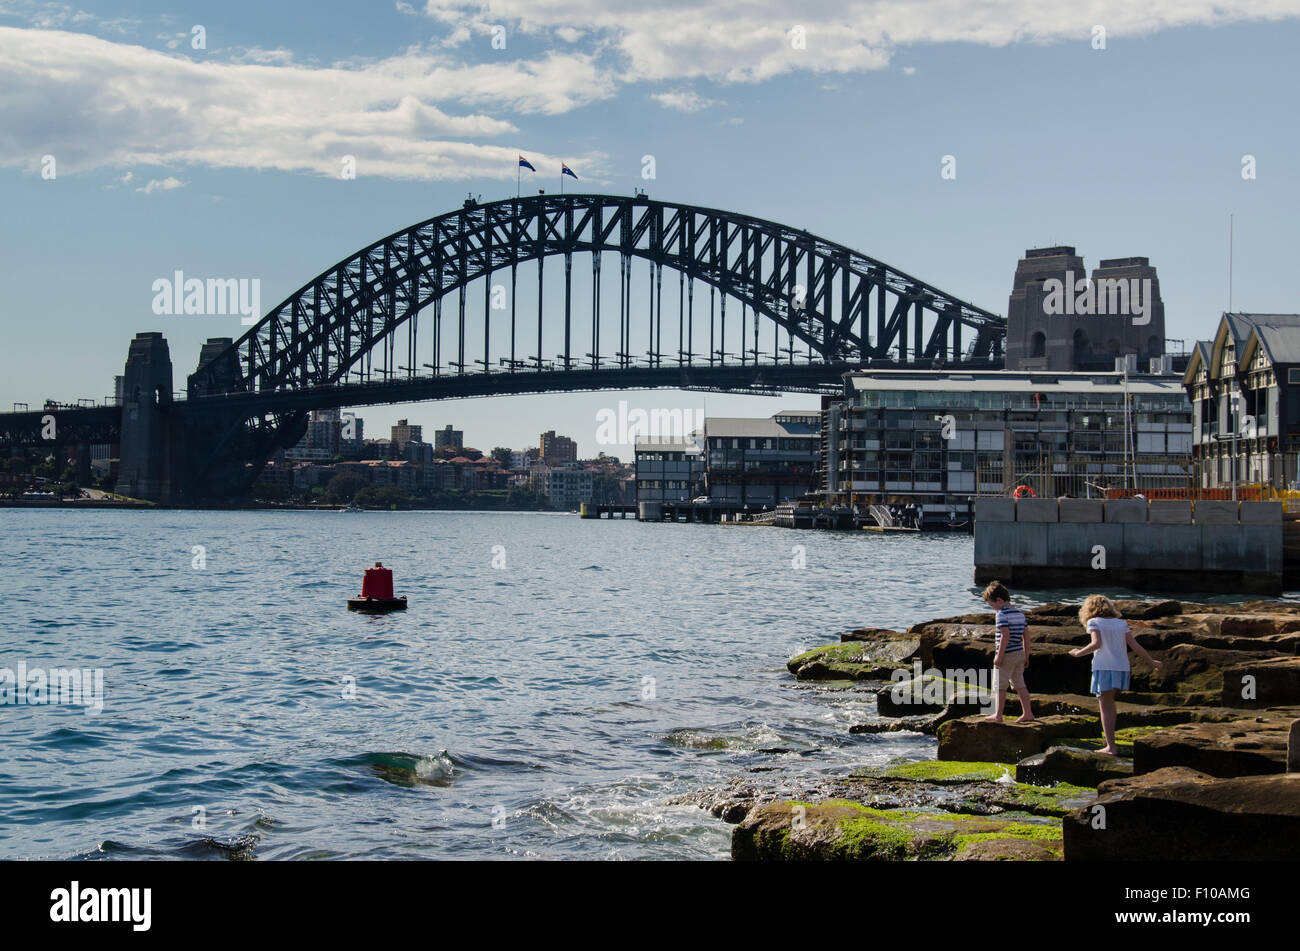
[935, 771]
[1055, 801]
[854, 660]
[1123, 739]
[839, 829]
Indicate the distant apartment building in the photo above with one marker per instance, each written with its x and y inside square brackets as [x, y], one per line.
[941, 438]
[420, 453]
[762, 462]
[564, 489]
[1244, 386]
[557, 450]
[325, 430]
[668, 471]
[448, 438]
[404, 432]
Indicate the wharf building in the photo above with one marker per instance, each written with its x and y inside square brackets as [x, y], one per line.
[668, 470]
[939, 439]
[1244, 387]
[759, 463]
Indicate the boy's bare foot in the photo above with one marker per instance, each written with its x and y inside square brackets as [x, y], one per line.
[993, 719]
[1109, 751]
[1026, 719]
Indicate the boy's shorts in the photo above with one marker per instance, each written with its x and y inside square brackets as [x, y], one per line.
[1011, 672]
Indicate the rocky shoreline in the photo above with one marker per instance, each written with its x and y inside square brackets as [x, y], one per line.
[1210, 747]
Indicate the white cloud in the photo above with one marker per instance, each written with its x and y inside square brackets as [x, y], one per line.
[425, 114]
[683, 101]
[909, 70]
[96, 103]
[750, 40]
[161, 185]
[127, 177]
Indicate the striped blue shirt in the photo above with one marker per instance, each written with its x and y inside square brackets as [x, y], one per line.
[1013, 619]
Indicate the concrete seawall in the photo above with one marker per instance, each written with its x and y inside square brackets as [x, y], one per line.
[1162, 545]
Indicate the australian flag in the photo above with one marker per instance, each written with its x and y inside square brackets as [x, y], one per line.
[524, 163]
[565, 170]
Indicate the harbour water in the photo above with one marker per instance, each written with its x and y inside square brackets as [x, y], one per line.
[553, 685]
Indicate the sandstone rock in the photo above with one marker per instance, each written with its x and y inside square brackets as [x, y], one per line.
[1179, 815]
[1005, 850]
[1225, 749]
[1293, 748]
[975, 739]
[842, 829]
[1187, 667]
[870, 634]
[929, 694]
[1266, 682]
[1147, 610]
[855, 660]
[1051, 668]
[1077, 767]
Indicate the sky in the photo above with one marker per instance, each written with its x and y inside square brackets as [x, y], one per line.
[138, 139]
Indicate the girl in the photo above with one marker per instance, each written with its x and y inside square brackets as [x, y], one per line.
[1111, 642]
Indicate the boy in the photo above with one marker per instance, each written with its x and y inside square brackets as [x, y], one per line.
[1012, 652]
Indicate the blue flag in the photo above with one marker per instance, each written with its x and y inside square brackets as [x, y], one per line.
[565, 170]
[524, 163]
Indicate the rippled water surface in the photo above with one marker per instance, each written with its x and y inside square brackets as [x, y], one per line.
[550, 708]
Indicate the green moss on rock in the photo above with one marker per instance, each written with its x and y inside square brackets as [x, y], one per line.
[841, 829]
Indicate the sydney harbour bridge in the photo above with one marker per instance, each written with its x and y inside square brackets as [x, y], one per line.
[617, 293]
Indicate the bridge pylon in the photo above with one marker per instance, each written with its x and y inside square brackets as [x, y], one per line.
[148, 423]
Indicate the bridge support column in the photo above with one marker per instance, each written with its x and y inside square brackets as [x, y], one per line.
[147, 424]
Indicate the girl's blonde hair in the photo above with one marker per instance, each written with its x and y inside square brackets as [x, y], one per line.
[1096, 605]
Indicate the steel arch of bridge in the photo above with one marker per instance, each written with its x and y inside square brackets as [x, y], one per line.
[841, 307]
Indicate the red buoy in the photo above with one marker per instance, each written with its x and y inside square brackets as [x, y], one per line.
[377, 592]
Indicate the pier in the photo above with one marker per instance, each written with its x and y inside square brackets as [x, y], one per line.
[1207, 545]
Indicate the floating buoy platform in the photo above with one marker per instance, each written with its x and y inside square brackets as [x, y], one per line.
[377, 592]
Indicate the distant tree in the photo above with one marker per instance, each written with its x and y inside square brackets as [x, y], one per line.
[502, 455]
[385, 497]
[344, 487]
[270, 492]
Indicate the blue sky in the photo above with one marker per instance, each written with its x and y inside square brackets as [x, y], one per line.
[224, 161]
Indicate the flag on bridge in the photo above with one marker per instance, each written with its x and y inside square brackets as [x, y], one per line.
[523, 163]
[565, 170]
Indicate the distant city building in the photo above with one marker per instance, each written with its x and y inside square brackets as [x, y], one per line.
[941, 438]
[762, 462]
[557, 450]
[404, 432]
[668, 470]
[419, 452]
[1058, 319]
[325, 431]
[564, 489]
[448, 438]
[1244, 386]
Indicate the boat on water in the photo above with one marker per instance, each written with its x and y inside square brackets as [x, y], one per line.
[351, 507]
